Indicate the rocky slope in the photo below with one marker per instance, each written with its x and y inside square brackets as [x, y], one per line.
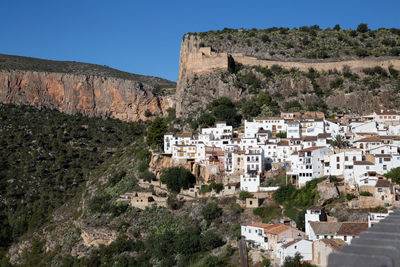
[88, 89]
[210, 67]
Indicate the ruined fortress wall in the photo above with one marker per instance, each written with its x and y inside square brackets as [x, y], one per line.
[354, 65]
[200, 60]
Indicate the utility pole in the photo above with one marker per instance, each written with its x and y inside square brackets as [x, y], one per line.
[244, 262]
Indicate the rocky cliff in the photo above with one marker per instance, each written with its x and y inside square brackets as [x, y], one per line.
[88, 89]
[208, 72]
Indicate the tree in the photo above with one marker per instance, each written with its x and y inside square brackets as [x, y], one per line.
[155, 134]
[211, 240]
[300, 219]
[337, 27]
[244, 194]
[340, 142]
[177, 178]
[295, 261]
[362, 27]
[211, 211]
[187, 242]
[394, 174]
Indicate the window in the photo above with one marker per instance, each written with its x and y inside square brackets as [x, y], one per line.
[346, 158]
[384, 167]
[345, 238]
[354, 158]
[337, 159]
[337, 166]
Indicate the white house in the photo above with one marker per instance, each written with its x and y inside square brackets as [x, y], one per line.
[250, 183]
[340, 162]
[386, 115]
[220, 132]
[314, 214]
[363, 127]
[340, 230]
[254, 160]
[289, 249]
[254, 234]
[293, 129]
[364, 173]
[307, 164]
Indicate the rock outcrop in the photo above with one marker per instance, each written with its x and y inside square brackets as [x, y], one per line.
[327, 192]
[205, 75]
[117, 98]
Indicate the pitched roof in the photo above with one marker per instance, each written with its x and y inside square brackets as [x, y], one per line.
[310, 138]
[311, 148]
[324, 135]
[325, 228]
[383, 155]
[291, 243]
[352, 228]
[370, 139]
[363, 162]
[185, 134]
[334, 243]
[276, 229]
[268, 118]
[338, 228]
[260, 225]
[382, 183]
[283, 143]
[385, 112]
[220, 122]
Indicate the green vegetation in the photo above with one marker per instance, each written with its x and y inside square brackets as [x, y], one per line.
[46, 157]
[296, 201]
[155, 134]
[340, 142]
[304, 42]
[366, 194]
[177, 178]
[295, 261]
[268, 213]
[394, 174]
[350, 196]
[211, 212]
[244, 194]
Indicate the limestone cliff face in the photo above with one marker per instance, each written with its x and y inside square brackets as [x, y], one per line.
[205, 75]
[89, 95]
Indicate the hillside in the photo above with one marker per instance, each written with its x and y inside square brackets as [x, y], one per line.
[46, 157]
[305, 43]
[327, 73]
[81, 88]
[9, 62]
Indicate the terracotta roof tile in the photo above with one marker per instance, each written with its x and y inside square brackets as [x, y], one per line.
[383, 183]
[370, 139]
[334, 243]
[352, 228]
[363, 162]
[311, 148]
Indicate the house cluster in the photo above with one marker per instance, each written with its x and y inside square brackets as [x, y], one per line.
[322, 236]
[358, 149]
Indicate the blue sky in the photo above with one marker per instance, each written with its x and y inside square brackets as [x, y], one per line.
[144, 36]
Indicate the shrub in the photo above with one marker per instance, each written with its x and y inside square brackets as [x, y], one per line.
[268, 213]
[366, 194]
[211, 211]
[100, 203]
[350, 196]
[155, 134]
[281, 135]
[177, 178]
[188, 241]
[395, 172]
[217, 187]
[211, 240]
[244, 194]
[362, 27]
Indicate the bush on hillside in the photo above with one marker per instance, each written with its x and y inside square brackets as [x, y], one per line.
[177, 178]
